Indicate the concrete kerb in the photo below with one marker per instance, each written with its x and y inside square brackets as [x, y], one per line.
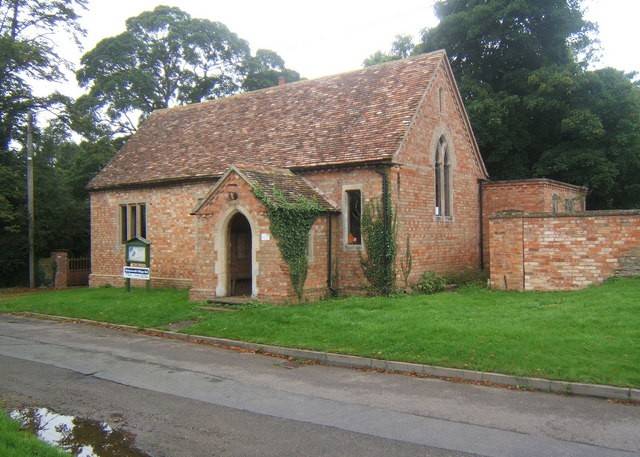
[352, 361]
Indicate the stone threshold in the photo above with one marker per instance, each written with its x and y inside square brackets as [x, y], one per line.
[358, 362]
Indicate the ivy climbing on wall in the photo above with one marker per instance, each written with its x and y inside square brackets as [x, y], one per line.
[291, 220]
[379, 236]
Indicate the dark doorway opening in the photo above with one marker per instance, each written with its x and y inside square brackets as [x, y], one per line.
[240, 265]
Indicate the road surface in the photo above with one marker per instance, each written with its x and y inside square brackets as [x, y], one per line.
[182, 399]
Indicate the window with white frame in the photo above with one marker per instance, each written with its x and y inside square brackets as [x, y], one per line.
[442, 171]
[133, 221]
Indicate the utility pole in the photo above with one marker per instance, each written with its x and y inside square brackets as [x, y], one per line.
[32, 275]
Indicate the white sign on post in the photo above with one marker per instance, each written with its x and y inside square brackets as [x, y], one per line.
[136, 273]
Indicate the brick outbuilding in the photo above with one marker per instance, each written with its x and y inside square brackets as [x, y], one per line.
[186, 181]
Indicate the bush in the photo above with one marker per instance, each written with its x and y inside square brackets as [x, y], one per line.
[431, 282]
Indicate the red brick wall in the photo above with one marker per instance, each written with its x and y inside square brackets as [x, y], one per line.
[170, 229]
[507, 256]
[437, 243]
[546, 252]
[528, 195]
[346, 258]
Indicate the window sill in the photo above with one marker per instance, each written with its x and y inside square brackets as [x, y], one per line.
[443, 219]
[352, 247]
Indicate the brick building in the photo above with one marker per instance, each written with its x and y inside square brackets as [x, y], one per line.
[187, 181]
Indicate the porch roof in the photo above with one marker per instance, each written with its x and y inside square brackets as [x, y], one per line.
[273, 181]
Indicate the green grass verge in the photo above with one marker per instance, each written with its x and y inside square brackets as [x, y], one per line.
[154, 308]
[15, 442]
[592, 335]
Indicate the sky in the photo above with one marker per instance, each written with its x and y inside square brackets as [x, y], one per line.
[332, 36]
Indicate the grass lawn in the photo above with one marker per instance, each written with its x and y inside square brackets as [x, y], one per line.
[592, 335]
[15, 442]
[155, 308]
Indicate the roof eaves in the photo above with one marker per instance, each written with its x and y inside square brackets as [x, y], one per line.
[151, 182]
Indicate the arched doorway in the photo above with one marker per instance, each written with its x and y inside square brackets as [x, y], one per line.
[239, 265]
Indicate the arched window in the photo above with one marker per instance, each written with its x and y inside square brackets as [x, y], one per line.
[447, 183]
[442, 172]
[438, 176]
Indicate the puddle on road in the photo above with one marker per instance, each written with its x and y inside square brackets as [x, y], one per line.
[78, 436]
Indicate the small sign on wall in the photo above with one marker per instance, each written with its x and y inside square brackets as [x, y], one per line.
[265, 237]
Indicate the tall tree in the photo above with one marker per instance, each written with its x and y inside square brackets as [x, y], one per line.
[27, 54]
[537, 111]
[498, 42]
[265, 70]
[165, 57]
[401, 48]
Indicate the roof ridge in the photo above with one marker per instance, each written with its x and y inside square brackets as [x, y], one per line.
[288, 85]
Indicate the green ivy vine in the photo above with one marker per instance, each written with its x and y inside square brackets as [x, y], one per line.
[290, 223]
[379, 236]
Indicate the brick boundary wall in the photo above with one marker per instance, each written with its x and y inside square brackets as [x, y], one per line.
[542, 251]
[530, 195]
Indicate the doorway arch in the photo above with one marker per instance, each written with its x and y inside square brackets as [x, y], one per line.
[239, 256]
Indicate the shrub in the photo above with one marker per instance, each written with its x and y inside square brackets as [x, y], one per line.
[431, 282]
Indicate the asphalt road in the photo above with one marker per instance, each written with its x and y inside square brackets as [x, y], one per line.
[181, 399]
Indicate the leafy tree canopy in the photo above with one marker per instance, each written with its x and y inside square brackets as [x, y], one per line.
[165, 57]
[402, 47]
[536, 109]
[498, 42]
[27, 54]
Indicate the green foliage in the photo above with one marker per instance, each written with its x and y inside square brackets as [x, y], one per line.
[15, 442]
[536, 110]
[379, 237]
[402, 47]
[27, 54]
[291, 220]
[164, 58]
[431, 282]
[265, 70]
[61, 170]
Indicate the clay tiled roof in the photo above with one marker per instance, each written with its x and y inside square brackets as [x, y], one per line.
[353, 117]
[272, 180]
